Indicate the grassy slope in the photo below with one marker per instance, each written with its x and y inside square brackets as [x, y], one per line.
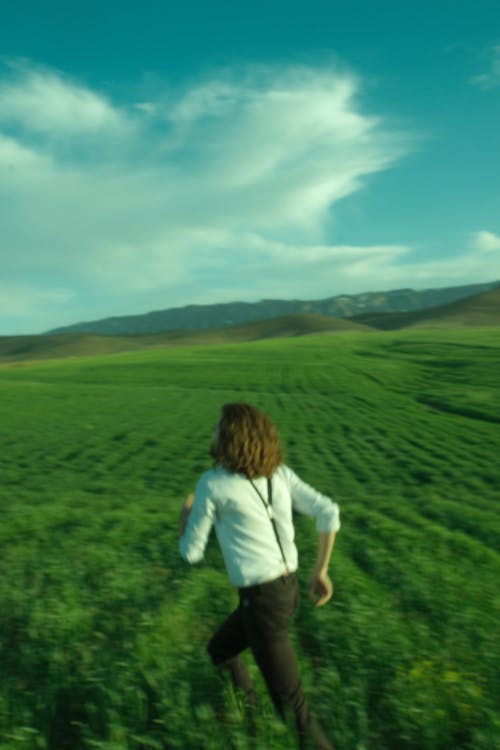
[103, 627]
[30, 348]
[479, 310]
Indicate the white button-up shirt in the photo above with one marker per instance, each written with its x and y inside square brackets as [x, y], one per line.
[251, 552]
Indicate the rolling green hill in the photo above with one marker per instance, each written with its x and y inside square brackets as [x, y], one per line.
[103, 627]
[29, 348]
[199, 317]
[479, 310]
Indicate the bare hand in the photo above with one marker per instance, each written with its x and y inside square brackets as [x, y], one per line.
[320, 588]
[184, 514]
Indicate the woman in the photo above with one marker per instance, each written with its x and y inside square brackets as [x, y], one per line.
[249, 497]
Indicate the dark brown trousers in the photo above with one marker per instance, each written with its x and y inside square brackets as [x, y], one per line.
[261, 622]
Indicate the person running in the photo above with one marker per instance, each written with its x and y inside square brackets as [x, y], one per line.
[249, 496]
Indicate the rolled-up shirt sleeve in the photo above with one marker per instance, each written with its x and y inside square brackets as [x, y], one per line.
[193, 542]
[307, 500]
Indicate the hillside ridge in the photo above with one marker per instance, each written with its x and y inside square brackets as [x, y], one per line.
[480, 310]
[204, 317]
[69, 344]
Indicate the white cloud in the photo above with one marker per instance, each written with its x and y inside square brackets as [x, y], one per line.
[42, 101]
[150, 108]
[466, 267]
[22, 300]
[17, 160]
[490, 79]
[286, 147]
[485, 241]
[219, 193]
[268, 156]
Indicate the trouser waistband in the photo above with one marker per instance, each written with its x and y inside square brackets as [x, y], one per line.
[285, 578]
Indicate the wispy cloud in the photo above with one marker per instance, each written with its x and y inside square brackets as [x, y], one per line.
[490, 78]
[177, 197]
[39, 100]
[18, 300]
[484, 241]
[221, 191]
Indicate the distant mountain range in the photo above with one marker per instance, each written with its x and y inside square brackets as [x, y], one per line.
[203, 317]
[479, 310]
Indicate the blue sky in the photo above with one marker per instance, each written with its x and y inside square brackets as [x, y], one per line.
[155, 154]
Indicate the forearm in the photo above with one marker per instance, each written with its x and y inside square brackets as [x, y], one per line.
[326, 540]
[184, 514]
[195, 522]
[320, 585]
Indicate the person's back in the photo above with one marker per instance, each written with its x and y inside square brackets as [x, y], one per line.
[249, 497]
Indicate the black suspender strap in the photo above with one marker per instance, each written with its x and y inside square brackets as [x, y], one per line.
[268, 505]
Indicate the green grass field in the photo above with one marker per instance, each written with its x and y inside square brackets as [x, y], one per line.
[103, 627]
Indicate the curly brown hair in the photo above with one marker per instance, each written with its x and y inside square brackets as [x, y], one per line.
[246, 441]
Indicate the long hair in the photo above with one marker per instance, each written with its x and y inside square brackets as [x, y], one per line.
[247, 441]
